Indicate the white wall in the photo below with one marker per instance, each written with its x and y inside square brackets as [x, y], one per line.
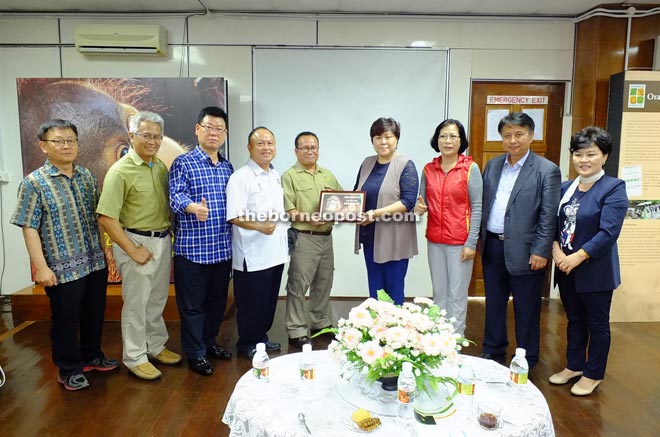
[222, 46]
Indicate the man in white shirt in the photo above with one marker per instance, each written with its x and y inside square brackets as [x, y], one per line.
[255, 206]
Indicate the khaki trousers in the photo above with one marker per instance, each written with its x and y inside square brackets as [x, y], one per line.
[144, 289]
[312, 267]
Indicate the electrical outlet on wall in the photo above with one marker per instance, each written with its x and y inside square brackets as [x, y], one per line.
[5, 176]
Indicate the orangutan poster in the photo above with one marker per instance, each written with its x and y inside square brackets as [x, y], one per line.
[101, 108]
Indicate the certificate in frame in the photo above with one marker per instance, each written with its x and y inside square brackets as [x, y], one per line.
[342, 206]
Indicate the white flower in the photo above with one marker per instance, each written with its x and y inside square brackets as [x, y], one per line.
[370, 351]
[378, 336]
[447, 344]
[360, 317]
[452, 357]
[423, 301]
[431, 344]
[396, 337]
[350, 337]
[378, 331]
[421, 322]
[411, 307]
[335, 351]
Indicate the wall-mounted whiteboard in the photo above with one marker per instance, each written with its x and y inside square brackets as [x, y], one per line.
[337, 93]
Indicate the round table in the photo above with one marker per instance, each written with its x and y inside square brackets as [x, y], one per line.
[258, 408]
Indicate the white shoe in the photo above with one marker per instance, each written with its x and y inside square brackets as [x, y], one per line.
[564, 376]
[586, 387]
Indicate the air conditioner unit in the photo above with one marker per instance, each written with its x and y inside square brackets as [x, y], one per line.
[121, 39]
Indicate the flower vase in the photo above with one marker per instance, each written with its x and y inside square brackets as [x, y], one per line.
[434, 402]
[389, 383]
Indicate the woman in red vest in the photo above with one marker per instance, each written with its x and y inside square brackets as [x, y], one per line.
[451, 192]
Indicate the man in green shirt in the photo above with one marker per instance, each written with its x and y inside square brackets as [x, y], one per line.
[312, 259]
[134, 210]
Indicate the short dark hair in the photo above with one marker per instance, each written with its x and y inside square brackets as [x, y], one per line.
[213, 111]
[516, 119]
[461, 133]
[591, 135]
[56, 123]
[259, 128]
[382, 125]
[305, 134]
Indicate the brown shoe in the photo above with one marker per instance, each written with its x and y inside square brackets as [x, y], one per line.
[146, 371]
[564, 376]
[168, 357]
[585, 386]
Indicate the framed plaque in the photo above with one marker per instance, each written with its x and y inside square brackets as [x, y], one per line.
[341, 206]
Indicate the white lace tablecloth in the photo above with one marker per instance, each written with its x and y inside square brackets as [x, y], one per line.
[258, 409]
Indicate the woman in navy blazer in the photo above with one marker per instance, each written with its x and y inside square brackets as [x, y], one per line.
[590, 217]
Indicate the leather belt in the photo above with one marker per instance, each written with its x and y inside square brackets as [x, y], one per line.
[152, 234]
[494, 235]
[324, 233]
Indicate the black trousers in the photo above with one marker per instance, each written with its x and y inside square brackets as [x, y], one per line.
[588, 330]
[256, 298]
[77, 311]
[526, 291]
[201, 296]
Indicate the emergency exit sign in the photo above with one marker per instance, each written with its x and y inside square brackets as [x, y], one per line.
[517, 100]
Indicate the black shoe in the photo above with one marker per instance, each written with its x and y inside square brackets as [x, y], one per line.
[218, 353]
[498, 358]
[298, 342]
[272, 346]
[200, 365]
[247, 353]
[101, 364]
[73, 382]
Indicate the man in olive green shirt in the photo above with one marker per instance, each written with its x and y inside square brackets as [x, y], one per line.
[134, 211]
[312, 259]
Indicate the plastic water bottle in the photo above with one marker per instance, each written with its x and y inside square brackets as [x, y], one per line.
[519, 368]
[260, 365]
[307, 364]
[406, 390]
[307, 372]
[466, 385]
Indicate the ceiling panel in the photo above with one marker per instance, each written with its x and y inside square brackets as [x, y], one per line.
[559, 8]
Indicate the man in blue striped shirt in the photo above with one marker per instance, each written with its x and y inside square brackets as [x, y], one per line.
[202, 242]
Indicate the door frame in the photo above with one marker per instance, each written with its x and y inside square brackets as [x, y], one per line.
[476, 148]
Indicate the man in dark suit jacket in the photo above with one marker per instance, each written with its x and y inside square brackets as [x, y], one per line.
[521, 196]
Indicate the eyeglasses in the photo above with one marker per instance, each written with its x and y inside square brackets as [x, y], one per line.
[59, 142]
[452, 137]
[217, 130]
[308, 149]
[149, 137]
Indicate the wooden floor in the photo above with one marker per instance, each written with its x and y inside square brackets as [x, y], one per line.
[32, 403]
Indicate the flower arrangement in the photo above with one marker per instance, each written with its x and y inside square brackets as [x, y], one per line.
[379, 336]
